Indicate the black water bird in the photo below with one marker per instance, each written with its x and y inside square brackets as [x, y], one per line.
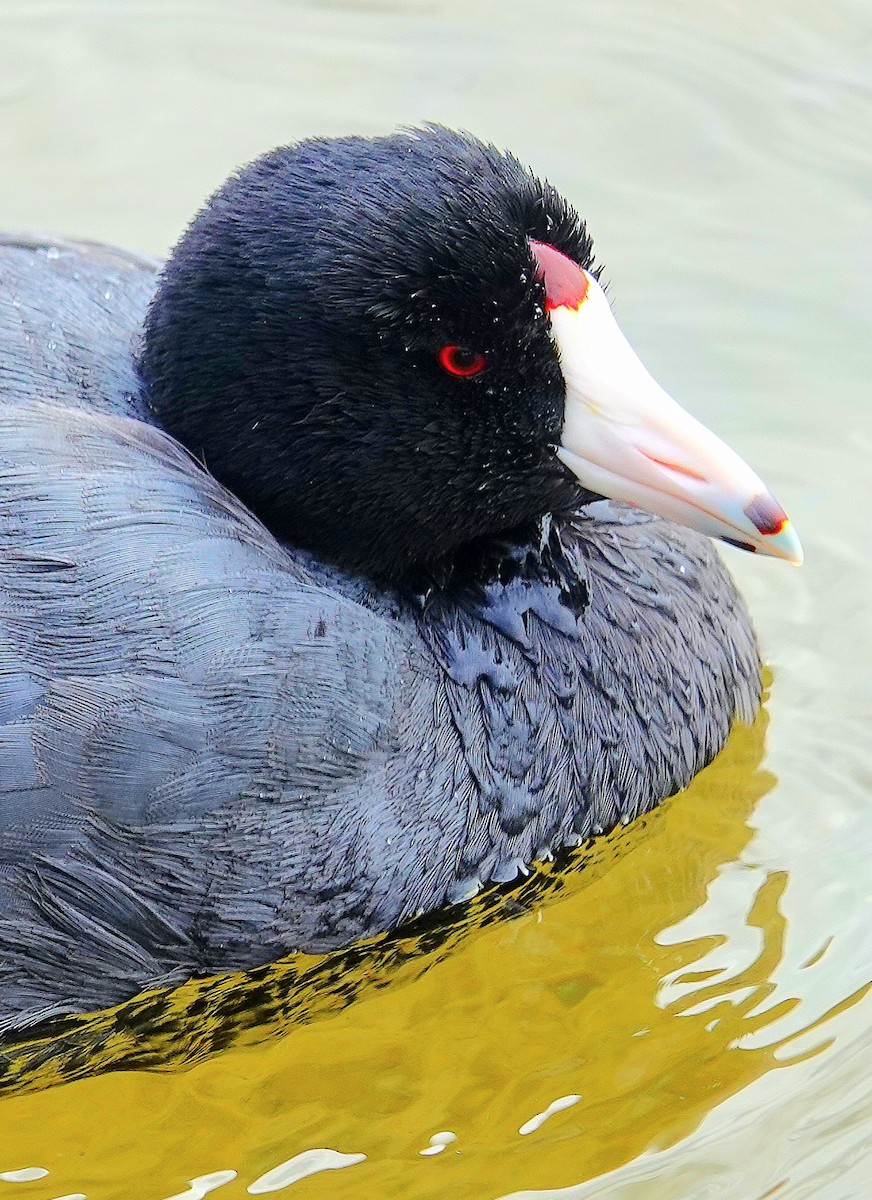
[391, 644]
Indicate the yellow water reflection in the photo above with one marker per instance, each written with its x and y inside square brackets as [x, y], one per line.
[562, 987]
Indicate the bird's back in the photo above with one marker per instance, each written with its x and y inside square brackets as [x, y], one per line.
[71, 315]
[175, 686]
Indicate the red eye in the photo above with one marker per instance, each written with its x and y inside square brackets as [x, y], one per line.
[460, 360]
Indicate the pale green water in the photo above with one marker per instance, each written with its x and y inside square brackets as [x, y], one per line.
[721, 153]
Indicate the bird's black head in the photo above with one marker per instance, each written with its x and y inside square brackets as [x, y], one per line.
[352, 336]
[393, 348]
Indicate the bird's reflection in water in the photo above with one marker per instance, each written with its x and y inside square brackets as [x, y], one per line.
[598, 978]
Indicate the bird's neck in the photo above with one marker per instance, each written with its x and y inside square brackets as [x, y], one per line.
[542, 554]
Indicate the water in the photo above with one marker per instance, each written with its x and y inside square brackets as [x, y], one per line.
[701, 985]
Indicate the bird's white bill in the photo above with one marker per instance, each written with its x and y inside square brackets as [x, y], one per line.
[626, 439]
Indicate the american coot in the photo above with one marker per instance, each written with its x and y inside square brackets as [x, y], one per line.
[392, 644]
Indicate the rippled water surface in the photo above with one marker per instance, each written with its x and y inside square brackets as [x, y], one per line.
[696, 994]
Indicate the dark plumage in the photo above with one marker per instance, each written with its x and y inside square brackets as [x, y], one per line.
[422, 664]
[324, 277]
